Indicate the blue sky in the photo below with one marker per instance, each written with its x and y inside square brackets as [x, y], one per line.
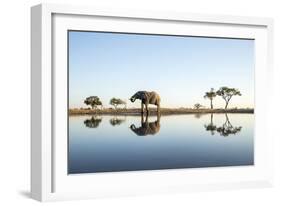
[180, 69]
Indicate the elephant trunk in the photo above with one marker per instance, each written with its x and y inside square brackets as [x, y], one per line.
[133, 98]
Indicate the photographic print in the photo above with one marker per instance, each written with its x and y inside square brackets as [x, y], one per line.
[150, 102]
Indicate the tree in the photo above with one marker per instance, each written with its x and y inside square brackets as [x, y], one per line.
[115, 102]
[210, 95]
[99, 103]
[227, 93]
[198, 106]
[93, 101]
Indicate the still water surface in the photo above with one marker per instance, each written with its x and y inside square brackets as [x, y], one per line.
[127, 143]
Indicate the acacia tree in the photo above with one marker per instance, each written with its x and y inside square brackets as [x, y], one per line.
[99, 103]
[227, 93]
[198, 106]
[116, 101]
[210, 95]
[93, 101]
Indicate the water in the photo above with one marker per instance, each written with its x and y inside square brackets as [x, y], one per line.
[128, 143]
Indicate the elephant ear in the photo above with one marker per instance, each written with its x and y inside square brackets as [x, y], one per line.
[141, 95]
[144, 95]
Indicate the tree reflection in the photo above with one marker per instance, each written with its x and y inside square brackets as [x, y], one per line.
[94, 122]
[225, 130]
[198, 115]
[146, 128]
[115, 121]
[211, 127]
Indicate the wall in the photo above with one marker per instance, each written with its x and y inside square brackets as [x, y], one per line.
[15, 93]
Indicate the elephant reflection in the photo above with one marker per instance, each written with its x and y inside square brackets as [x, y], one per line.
[116, 121]
[146, 128]
[225, 130]
[94, 122]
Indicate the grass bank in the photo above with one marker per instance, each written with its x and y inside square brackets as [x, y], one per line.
[152, 111]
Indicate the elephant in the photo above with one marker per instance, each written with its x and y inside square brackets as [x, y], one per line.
[147, 98]
[146, 128]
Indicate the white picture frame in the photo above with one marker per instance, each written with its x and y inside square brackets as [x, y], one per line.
[49, 181]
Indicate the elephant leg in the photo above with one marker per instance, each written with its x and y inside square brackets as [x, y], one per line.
[146, 119]
[141, 108]
[158, 109]
[146, 107]
[158, 115]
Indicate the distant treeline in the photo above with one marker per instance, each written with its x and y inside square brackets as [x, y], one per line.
[226, 93]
